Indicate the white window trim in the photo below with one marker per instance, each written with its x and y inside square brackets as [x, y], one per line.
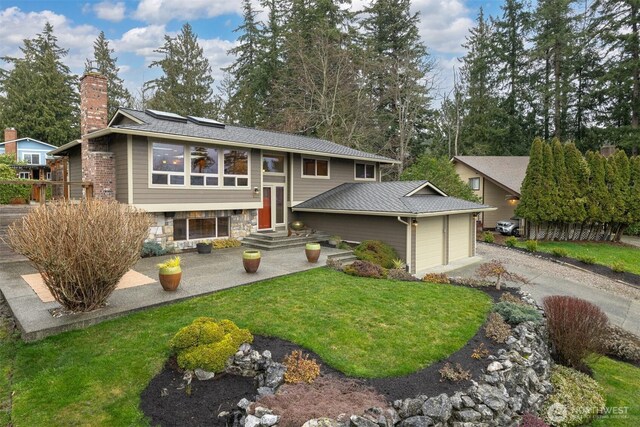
[204, 174]
[31, 153]
[355, 167]
[302, 175]
[472, 179]
[216, 237]
[272, 154]
[21, 173]
[187, 170]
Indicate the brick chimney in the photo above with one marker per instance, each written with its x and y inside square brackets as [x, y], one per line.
[11, 134]
[98, 163]
[608, 150]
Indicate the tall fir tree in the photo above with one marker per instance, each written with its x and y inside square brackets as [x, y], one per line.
[575, 191]
[186, 85]
[40, 94]
[532, 190]
[104, 63]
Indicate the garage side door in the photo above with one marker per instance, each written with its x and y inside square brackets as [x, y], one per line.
[459, 237]
[429, 243]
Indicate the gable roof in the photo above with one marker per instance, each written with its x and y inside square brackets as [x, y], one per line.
[26, 138]
[399, 198]
[153, 125]
[507, 171]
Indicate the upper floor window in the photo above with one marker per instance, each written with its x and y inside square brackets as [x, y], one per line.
[236, 168]
[315, 167]
[474, 183]
[168, 164]
[31, 158]
[273, 163]
[204, 166]
[365, 171]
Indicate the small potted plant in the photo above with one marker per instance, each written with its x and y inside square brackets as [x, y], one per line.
[204, 247]
[251, 260]
[312, 250]
[335, 240]
[170, 274]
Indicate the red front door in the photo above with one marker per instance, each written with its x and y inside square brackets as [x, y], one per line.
[264, 214]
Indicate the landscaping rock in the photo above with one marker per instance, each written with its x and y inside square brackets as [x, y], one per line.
[260, 411]
[456, 400]
[321, 422]
[244, 404]
[438, 408]
[410, 408]
[274, 375]
[269, 420]
[494, 366]
[468, 402]
[469, 416]
[251, 421]
[417, 421]
[203, 375]
[265, 391]
[357, 421]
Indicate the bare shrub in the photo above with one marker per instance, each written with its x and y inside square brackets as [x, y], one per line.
[81, 249]
[495, 269]
[401, 274]
[513, 299]
[621, 344]
[496, 328]
[436, 278]
[480, 352]
[576, 329]
[300, 368]
[454, 374]
[325, 397]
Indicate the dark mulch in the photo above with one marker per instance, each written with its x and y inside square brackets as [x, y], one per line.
[209, 398]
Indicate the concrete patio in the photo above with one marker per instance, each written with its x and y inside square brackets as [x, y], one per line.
[202, 274]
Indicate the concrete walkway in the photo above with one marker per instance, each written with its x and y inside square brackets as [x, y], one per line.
[202, 274]
[631, 240]
[549, 278]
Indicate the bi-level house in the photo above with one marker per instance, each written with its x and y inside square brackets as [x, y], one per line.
[202, 179]
[29, 153]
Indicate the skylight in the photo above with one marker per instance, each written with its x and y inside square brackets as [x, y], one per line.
[163, 115]
[206, 122]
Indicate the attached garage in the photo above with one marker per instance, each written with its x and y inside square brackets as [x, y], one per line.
[426, 227]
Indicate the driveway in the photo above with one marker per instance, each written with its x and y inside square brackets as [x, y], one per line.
[620, 302]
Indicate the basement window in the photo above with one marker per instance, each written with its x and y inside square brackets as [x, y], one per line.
[200, 228]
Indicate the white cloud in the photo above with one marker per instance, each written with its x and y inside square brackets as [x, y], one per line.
[142, 41]
[16, 25]
[444, 24]
[163, 11]
[110, 11]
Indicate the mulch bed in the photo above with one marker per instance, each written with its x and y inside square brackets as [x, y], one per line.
[209, 398]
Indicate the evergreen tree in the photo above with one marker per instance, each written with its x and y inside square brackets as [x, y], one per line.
[560, 183]
[532, 191]
[634, 190]
[575, 190]
[186, 86]
[40, 94]
[618, 180]
[598, 198]
[105, 64]
[549, 204]
[440, 172]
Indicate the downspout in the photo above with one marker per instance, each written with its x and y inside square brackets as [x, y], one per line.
[408, 239]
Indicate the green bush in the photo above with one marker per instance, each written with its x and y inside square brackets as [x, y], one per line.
[531, 245]
[12, 191]
[511, 241]
[633, 230]
[226, 243]
[366, 269]
[488, 237]
[516, 313]
[152, 248]
[560, 252]
[618, 267]
[207, 344]
[586, 259]
[578, 394]
[376, 252]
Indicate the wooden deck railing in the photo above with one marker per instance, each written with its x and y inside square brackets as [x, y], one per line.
[39, 188]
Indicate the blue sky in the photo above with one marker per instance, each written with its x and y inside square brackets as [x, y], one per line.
[136, 28]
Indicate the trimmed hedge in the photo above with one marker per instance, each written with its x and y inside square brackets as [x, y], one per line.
[12, 191]
[377, 252]
[577, 398]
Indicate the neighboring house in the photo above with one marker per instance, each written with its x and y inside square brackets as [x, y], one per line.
[203, 179]
[29, 152]
[496, 180]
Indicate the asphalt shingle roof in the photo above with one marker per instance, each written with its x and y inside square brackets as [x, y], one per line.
[386, 197]
[508, 171]
[239, 134]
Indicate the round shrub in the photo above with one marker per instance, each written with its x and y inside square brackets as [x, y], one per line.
[517, 313]
[488, 237]
[511, 241]
[366, 269]
[576, 399]
[560, 252]
[376, 252]
[207, 344]
[531, 245]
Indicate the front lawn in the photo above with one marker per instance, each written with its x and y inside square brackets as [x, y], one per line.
[604, 253]
[363, 327]
[621, 382]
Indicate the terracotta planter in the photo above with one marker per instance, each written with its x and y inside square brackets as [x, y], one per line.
[203, 248]
[170, 278]
[312, 250]
[251, 260]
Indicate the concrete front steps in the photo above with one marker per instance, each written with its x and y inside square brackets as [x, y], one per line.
[345, 258]
[8, 215]
[270, 241]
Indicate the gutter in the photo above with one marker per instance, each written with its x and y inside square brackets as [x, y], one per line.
[408, 239]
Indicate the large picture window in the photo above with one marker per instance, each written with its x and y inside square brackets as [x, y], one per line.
[273, 163]
[204, 166]
[315, 168]
[168, 164]
[200, 228]
[365, 171]
[236, 168]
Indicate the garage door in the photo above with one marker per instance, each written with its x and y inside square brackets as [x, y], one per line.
[459, 237]
[429, 243]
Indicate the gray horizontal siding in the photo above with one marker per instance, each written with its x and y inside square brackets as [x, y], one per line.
[118, 145]
[75, 172]
[360, 227]
[274, 179]
[142, 194]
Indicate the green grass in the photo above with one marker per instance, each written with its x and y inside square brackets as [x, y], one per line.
[363, 327]
[604, 253]
[621, 382]
[8, 344]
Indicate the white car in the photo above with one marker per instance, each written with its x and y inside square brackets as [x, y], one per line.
[508, 228]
